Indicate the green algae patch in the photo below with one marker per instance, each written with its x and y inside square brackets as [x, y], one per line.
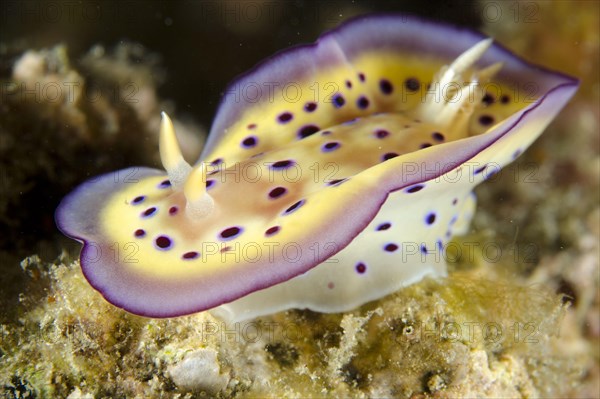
[427, 334]
[456, 336]
[70, 338]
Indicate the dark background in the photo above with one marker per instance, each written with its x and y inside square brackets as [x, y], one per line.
[202, 44]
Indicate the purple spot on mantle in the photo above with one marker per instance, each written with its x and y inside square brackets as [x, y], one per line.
[225, 249]
[139, 233]
[412, 84]
[272, 231]
[230, 233]
[389, 155]
[362, 102]
[414, 189]
[165, 184]
[361, 268]
[250, 142]
[479, 170]
[310, 106]
[331, 146]
[381, 133]
[391, 247]
[282, 164]
[138, 200]
[338, 100]
[173, 210]
[430, 218]
[163, 243]
[294, 207]
[386, 86]
[437, 136]
[486, 120]
[383, 226]
[190, 255]
[488, 99]
[285, 117]
[148, 212]
[307, 130]
[336, 182]
[277, 192]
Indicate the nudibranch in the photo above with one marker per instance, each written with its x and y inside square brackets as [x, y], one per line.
[335, 173]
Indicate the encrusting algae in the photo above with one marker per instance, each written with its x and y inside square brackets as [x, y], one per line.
[464, 335]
